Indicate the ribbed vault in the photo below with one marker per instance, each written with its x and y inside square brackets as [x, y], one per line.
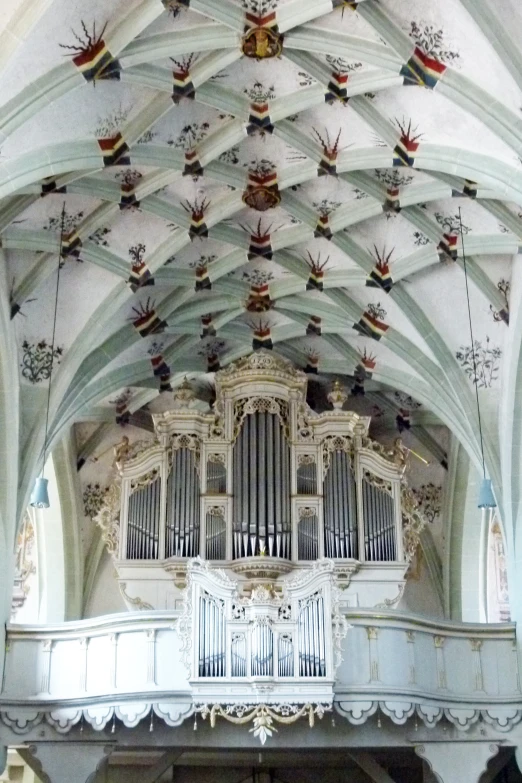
[262, 173]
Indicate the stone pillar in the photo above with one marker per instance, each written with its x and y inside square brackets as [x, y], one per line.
[455, 762]
[66, 762]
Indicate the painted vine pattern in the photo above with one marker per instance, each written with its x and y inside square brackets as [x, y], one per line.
[429, 500]
[484, 371]
[430, 39]
[93, 497]
[504, 286]
[38, 359]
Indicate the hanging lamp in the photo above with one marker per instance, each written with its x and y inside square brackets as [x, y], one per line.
[486, 498]
[40, 493]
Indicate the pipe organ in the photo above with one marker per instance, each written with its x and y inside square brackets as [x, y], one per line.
[280, 634]
[260, 482]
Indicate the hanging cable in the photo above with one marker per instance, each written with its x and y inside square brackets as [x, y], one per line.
[472, 345]
[62, 227]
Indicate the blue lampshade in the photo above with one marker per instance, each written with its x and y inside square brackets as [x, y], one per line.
[486, 497]
[39, 495]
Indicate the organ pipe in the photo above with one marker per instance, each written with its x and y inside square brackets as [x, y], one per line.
[379, 523]
[143, 522]
[307, 478]
[216, 535]
[311, 637]
[308, 537]
[183, 506]
[262, 503]
[339, 507]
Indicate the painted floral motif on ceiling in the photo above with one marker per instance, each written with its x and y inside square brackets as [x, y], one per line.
[432, 41]
[342, 66]
[406, 401]
[71, 222]
[175, 7]
[376, 310]
[393, 178]
[112, 124]
[451, 224]
[257, 276]
[128, 176]
[39, 359]
[259, 7]
[93, 498]
[420, 239]
[259, 93]
[480, 362]
[504, 286]
[230, 156]
[429, 500]
[190, 135]
[326, 206]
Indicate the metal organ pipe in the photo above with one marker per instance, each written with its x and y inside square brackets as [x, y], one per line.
[262, 502]
[308, 538]
[379, 523]
[216, 532]
[311, 637]
[307, 479]
[339, 504]
[183, 506]
[143, 522]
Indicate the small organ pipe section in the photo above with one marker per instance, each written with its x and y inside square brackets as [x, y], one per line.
[339, 508]
[308, 535]
[379, 523]
[143, 522]
[262, 489]
[183, 506]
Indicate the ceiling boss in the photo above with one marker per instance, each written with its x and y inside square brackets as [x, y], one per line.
[262, 38]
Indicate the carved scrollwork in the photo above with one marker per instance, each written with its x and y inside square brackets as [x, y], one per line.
[263, 362]
[336, 443]
[136, 449]
[137, 602]
[143, 481]
[218, 459]
[108, 518]
[413, 523]
[304, 429]
[377, 481]
[248, 405]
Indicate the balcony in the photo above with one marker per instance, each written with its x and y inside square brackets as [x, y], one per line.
[128, 667]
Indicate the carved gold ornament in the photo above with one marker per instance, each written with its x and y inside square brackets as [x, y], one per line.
[261, 43]
[262, 716]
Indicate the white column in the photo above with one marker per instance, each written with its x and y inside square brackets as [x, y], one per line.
[455, 762]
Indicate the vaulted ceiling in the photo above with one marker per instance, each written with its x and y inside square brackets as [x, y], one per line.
[295, 173]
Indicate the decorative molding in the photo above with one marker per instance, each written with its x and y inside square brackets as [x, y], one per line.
[137, 602]
[389, 603]
[263, 716]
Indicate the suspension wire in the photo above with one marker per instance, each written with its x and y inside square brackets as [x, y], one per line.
[472, 345]
[62, 227]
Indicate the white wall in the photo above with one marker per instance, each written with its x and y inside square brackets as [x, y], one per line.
[105, 596]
